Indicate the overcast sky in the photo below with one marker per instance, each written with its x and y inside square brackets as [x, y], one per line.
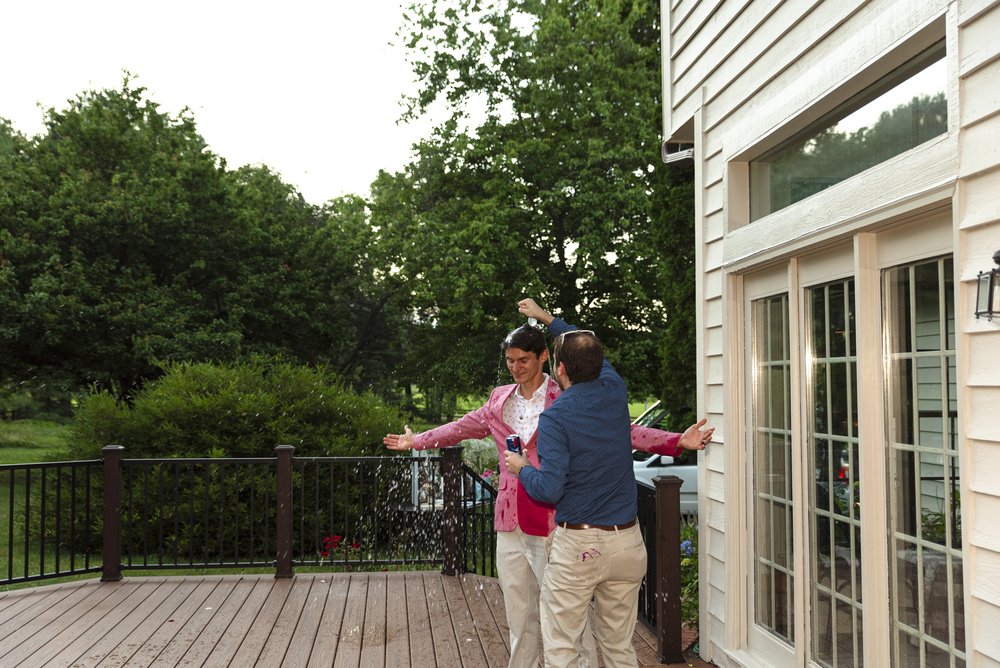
[309, 88]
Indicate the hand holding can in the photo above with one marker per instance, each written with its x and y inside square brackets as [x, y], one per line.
[514, 443]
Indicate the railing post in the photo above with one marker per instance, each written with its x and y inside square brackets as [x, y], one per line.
[668, 566]
[451, 534]
[283, 529]
[111, 549]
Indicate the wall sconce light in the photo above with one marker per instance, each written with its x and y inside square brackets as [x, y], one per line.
[988, 292]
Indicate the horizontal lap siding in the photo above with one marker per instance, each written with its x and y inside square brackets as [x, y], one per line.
[741, 70]
[978, 212]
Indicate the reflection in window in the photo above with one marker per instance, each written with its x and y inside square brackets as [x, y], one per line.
[903, 110]
[928, 613]
[835, 508]
[774, 576]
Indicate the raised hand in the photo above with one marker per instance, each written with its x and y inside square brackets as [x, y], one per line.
[402, 441]
[530, 309]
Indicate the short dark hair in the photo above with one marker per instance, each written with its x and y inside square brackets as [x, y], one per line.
[527, 338]
[581, 353]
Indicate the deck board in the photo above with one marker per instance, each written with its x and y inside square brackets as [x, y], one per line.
[418, 618]
[442, 629]
[132, 641]
[412, 619]
[486, 627]
[373, 638]
[324, 649]
[227, 646]
[397, 640]
[352, 626]
[213, 633]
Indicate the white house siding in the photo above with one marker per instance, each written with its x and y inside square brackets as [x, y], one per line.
[977, 216]
[740, 76]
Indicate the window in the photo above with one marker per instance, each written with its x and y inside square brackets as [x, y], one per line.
[928, 618]
[773, 553]
[901, 111]
[835, 508]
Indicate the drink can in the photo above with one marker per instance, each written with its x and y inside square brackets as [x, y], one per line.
[514, 443]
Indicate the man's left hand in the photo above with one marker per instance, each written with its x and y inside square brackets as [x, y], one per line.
[694, 438]
[514, 462]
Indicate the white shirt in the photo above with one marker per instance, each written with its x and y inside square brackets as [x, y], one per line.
[522, 414]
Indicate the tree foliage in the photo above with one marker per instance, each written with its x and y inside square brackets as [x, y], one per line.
[126, 244]
[552, 191]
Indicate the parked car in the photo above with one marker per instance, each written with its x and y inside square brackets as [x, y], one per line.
[647, 466]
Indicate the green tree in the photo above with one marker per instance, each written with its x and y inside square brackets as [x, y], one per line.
[554, 191]
[117, 243]
[126, 244]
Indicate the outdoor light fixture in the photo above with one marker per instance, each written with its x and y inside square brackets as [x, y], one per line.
[988, 292]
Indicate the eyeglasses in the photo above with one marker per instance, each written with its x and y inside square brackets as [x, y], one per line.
[576, 331]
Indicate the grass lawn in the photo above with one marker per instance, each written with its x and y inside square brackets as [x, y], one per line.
[25, 442]
[30, 441]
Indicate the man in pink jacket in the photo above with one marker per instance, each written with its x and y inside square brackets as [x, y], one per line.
[523, 524]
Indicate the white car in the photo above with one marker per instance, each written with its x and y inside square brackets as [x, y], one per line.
[647, 466]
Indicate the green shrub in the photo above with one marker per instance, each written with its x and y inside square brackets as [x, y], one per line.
[201, 510]
[689, 573]
[236, 410]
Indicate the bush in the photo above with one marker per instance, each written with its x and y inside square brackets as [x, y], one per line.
[236, 410]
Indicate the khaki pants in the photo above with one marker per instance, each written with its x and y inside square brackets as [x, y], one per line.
[521, 562]
[607, 566]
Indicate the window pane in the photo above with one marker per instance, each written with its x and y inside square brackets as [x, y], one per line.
[773, 556]
[836, 578]
[924, 468]
[894, 115]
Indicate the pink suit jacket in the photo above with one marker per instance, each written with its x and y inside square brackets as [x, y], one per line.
[514, 508]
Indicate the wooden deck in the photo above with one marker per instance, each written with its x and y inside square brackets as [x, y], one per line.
[395, 620]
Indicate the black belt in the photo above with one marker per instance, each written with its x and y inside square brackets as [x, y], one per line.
[602, 527]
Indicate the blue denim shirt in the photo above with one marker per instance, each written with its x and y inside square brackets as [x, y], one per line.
[585, 448]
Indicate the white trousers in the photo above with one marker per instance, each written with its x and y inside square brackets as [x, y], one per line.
[521, 563]
[607, 566]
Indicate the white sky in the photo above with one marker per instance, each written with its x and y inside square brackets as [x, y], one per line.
[309, 88]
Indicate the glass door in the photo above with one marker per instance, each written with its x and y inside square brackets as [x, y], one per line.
[833, 449]
[928, 617]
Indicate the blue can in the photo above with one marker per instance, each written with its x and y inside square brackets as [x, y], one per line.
[514, 443]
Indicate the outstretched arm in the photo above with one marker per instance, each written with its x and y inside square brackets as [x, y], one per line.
[470, 425]
[670, 443]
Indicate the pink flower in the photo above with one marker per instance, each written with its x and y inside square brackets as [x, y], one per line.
[488, 473]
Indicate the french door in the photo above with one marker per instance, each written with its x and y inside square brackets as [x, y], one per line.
[852, 456]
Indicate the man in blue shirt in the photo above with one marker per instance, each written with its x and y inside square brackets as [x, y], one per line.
[597, 553]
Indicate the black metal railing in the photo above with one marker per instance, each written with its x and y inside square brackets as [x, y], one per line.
[117, 514]
[46, 512]
[199, 512]
[344, 513]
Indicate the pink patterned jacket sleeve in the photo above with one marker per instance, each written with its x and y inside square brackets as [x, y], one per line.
[470, 425]
[656, 441]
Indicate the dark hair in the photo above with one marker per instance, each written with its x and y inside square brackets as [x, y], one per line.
[582, 355]
[527, 338]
